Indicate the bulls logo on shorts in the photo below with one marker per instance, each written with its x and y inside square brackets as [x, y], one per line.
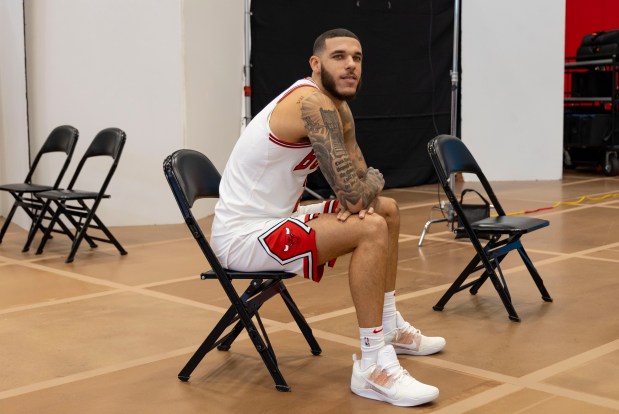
[291, 240]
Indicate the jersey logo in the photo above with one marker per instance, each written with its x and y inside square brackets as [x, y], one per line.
[310, 161]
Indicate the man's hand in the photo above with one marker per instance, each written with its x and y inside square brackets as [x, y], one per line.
[375, 177]
[343, 214]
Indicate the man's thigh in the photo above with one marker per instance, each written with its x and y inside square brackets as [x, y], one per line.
[287, 244]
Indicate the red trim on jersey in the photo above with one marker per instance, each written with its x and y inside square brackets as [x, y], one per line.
[296, 206]
[278, 141]
[297, 87]
[285, 144]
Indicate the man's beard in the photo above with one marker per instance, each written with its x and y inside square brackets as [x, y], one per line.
[328, 82]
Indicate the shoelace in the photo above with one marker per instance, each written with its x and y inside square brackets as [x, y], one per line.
[407, 326]
[396, 371]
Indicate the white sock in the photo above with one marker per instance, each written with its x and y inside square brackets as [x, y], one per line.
[372, 340]
[389, 312]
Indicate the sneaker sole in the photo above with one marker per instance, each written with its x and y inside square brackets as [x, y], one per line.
[404, 351]
[400, 350]
[373, 395]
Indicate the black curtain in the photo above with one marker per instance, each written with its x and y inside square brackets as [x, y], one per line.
[405, 97]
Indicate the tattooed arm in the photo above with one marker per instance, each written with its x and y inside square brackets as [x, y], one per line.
[355, 188]
[350, 140]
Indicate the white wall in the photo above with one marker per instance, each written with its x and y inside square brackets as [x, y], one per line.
[101, 63]
[214, 59]
[13, 114]
[169, 73]
[512, 86]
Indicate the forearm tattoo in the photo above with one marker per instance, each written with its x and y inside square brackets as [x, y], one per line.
[324, 130]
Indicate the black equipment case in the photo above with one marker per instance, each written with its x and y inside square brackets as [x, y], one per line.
[599, 44]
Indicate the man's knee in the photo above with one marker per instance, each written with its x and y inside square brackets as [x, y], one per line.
[388, 208]
[375, 226]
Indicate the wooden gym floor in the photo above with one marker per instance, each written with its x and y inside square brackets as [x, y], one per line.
[109, 334]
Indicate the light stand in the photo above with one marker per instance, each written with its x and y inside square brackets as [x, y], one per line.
[247, 67]
[446, 207]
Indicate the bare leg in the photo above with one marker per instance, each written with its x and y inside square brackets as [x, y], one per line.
[388, 209]
[367, 239]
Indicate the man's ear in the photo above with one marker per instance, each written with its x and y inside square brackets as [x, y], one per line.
[314, 62]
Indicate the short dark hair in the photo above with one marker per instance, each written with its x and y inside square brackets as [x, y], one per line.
[319, 43]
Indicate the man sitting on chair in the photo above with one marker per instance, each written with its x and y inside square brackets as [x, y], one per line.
[260, 225]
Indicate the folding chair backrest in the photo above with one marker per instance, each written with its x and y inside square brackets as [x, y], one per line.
[61, 139]
[193, 176]
[450, 156]
[196, 175]
[109, 142]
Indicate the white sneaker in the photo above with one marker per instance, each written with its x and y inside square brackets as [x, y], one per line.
[408, 340]
[386, 380]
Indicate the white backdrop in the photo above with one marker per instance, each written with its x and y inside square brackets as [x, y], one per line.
[169, 73]
[512, 87]
[13, 117]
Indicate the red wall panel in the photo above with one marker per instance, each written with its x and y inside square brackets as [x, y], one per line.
[588, 16]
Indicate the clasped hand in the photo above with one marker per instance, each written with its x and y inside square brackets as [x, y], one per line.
[373, 177]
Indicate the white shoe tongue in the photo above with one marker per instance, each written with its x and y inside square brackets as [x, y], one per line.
[388, 360]
[400, 322]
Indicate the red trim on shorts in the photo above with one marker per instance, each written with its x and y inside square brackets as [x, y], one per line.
[308, 217]
[331, 206]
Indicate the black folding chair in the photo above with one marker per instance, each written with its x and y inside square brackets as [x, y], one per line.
[61, 139]
[449, 155]
[192, 176]
[73, 204]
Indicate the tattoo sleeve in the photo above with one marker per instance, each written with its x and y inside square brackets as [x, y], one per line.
[350, 141]
[339, 165]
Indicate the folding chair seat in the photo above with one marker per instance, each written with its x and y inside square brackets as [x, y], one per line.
[61, 140]
[449, 156]
[79, 207]
[192, 176]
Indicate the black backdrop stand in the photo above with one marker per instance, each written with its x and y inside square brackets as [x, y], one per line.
[404, 100]
[446, 208]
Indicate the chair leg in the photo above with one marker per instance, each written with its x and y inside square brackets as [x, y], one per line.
[504, 297]
[109, 235]
[246, 311]
[80, 234]
[301, 322]
[47, 235]
[456, 285]
[76, 225]
[244, 316]
[491, 264]
[9, 217]
[267, 356]
[38, 224]
[249, 292]
[534, 274]
[475, 288]
[226, 344]
[477, 285]
[208, 344]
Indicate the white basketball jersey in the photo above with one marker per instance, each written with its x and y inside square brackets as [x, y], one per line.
[264, 177]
